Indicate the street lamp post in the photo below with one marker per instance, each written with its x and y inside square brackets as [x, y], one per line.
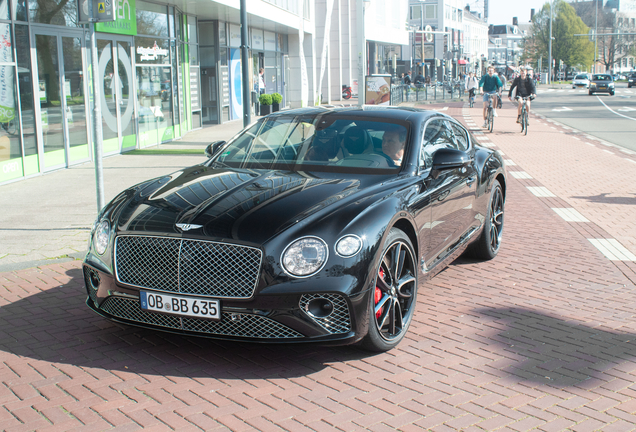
[550, 48]
[595, 36]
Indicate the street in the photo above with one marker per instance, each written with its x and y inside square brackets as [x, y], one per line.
[610, 118]
[542, 337]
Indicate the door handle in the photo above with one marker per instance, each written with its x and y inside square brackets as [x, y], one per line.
[471, 180]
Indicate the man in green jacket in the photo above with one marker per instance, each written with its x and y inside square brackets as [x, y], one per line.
[489, 85]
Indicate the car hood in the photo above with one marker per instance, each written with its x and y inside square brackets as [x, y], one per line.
[245, 205]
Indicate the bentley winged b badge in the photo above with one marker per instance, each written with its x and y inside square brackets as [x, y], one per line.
[187, 227]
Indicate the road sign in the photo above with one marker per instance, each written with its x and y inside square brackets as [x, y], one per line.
[429, 33]
[103, 11]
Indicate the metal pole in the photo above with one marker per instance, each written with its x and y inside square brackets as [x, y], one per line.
[97, 116]
[595, 37]
[362, 50]
[247, 111]
[550, 49]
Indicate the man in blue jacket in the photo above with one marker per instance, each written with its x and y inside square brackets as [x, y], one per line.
[489, 85]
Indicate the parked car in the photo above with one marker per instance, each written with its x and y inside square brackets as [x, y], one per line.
[601, 83]
[311, 225]
[631, 81]
[581, 80]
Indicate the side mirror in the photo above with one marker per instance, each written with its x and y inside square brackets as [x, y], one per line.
[447, 159]
[211, 149]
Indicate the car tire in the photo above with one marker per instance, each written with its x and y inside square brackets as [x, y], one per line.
[487, 245]
[612, 93]
[590, 93]
[394, 296]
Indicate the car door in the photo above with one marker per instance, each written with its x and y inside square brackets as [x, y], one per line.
[451, 193]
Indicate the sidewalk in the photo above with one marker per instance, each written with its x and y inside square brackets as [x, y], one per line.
[46, 219]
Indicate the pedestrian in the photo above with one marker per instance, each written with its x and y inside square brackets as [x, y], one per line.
[261, 81]
[419, 80]
[471, 84]
[407, 78]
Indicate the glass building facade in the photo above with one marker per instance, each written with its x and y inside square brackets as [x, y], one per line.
[161, 73]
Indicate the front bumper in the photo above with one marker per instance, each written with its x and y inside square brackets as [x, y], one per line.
[267, 318]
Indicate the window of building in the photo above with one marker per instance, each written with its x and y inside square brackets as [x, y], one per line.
[415, 13]
[430, 12]
[48, 12]
[152, 19]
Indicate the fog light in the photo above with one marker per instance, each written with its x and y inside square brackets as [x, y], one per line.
[319, 308]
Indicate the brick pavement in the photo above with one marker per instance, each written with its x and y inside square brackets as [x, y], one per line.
[542, 338]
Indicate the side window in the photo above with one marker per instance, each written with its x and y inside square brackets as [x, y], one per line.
[437, 134]
[461, 138]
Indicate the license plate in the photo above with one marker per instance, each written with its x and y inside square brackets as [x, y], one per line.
[180, 305]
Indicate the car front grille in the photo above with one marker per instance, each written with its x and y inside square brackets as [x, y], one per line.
[231, 324]
[338, 321]
[187, 266]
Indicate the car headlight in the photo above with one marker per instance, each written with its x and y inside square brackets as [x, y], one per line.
[305, 257]
[101, 236]
[348, 246]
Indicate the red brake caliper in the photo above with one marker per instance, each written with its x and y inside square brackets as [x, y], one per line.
[378, 294]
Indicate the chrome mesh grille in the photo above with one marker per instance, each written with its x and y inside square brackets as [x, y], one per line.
[238, 325]
[338, 321]
[187, 266]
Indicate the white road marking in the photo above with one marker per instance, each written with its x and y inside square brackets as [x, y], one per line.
[608, 151]
[509, 162]
[613, 250]
[520, 174]
[626, 109]
[630, 160]
[561, 109]
[541, 192]
[570, 215]
[624, 150]
[619, 114]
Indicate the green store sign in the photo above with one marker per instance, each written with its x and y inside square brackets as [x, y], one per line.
[125, 19]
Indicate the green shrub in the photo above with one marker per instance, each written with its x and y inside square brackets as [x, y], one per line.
[265, 99]
[277, 98]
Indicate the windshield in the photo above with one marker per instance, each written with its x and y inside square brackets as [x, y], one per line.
[317, 143]
[602, 78]
[581, 77]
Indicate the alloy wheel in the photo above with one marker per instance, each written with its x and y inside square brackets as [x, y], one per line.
[395, 291]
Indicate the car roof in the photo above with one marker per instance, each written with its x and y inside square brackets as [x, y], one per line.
[381, 113]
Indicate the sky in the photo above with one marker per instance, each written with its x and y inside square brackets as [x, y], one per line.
[502, 11]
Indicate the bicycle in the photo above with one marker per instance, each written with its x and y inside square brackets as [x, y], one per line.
[524, 113]
[490, 113]
[471, 97]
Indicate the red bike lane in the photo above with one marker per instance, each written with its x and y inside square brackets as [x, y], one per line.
[541, 337]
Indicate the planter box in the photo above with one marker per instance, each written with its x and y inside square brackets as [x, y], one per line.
[275, 107]
[266, 109]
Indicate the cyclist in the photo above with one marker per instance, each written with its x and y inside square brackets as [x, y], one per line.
[471, 84]
[524, 87]
[489, 85]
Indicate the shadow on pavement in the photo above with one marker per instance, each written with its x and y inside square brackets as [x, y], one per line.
[605, 199]
[548, 350]
[56, 326]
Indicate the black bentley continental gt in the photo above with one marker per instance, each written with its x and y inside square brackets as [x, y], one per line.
[311, 225]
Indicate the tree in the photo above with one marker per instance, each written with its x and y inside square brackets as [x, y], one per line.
[611, 49]
[567, 48]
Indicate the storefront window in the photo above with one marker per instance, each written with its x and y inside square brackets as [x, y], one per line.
[26, 89]
[152, 19]
[155, 104]
[50, 12]
[152, 51]
[9, 125]
[20, 10]
[4, 10]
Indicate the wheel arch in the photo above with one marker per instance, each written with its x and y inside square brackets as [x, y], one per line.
[407, 227]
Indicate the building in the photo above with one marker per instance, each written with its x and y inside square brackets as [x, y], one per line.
[505, 46]
[475, 41]
[614, 52]
[439, 54]
[168, 67]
